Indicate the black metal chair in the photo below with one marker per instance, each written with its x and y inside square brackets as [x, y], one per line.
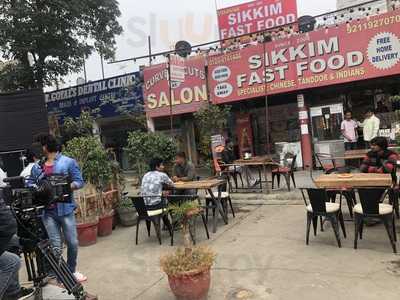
[319, 206]
[178, 200]
[394, 200]
[371, 207]
[286, 172]
[225, 199]
[234, 174]
[151, 216]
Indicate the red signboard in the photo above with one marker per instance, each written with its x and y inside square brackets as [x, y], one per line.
[255, 16]
[186, 96]
[360, 50]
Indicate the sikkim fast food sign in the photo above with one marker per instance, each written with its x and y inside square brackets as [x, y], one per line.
[186, 96]
[360, 50]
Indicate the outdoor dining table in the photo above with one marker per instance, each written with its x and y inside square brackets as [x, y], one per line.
[337, 181]
[207, 185]
[353, 154]
[257, 161]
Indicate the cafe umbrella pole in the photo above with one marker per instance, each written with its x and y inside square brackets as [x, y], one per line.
[170, 95]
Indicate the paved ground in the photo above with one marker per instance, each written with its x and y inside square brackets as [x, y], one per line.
[261, 255]
[262, 251]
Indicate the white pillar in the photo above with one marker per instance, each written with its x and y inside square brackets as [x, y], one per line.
[150, 124]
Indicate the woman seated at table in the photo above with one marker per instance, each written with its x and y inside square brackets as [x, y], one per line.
[380, 159]
[153, 183]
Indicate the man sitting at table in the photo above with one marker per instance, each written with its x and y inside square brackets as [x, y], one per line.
[153, 183]
[380, 159]
[183, 170]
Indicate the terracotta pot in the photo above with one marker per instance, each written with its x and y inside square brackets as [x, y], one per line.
[127, 216]
[87, 233]
[105, 224]
[191, 285]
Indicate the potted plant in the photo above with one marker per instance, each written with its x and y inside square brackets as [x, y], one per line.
[96, 169]
[126, 212]
[188, 269]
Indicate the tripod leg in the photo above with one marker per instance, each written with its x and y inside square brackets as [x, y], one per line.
[60, 268]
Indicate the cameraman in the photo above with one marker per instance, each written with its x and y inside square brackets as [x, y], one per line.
[9, 263]
[61, 216]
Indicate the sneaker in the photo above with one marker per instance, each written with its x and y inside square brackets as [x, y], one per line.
[23, 293]
[80, 277]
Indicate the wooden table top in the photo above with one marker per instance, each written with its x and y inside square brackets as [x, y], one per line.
[357, 180]
[254, 161]
[258, 159]
[200, 184]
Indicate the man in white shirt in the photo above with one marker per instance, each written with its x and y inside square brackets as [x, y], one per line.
[349, 132]
[33, 155]
[370, 127]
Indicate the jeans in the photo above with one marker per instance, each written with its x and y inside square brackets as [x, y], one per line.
[350, 146]
[9, 267]
[54, 224]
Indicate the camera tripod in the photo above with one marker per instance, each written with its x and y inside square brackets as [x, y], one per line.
[39, 255]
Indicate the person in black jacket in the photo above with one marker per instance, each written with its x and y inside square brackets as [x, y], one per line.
[9, 262]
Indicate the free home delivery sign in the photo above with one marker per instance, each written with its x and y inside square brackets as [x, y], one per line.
[255, 16]
[359, 50]
[104, 98]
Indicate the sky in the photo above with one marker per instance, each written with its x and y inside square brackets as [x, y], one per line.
[168, 22]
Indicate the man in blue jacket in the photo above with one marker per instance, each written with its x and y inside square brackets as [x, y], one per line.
[60, 217]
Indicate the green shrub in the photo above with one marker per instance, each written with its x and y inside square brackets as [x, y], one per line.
[92, 158]
[143, 146]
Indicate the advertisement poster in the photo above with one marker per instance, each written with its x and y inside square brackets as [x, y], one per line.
[244, 134]
[104, 98]
[359, 50]
[217, 144]
[255, 16]
[186, 96]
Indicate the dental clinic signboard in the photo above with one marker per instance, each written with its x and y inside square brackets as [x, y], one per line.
[360, 50]
[104, 98]
[255, 16]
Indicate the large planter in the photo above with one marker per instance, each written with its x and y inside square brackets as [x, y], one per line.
[87, 233]
[106, 224]
[191, 285]
[127, 216]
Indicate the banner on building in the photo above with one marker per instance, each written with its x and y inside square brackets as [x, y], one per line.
[255, 16]
[360, 50]
[104, 98]
[184, 97]
[177, 68]
[244, 133]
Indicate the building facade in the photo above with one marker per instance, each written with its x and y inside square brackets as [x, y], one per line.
[113, 103]
[289, 92]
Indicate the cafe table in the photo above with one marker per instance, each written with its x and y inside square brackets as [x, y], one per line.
[353, 180]
[261, 162]
[353, 154]
[207, 185]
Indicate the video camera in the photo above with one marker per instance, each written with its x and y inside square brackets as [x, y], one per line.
[27, 203]
[48, 190]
